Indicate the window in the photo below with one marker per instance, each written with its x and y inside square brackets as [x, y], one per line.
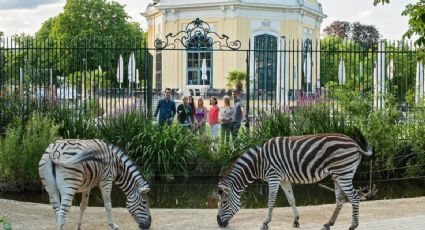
[265, 62]
[158, 68]
[195, 59]
[307, 63]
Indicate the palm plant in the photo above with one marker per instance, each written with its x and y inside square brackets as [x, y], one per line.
[235, 79]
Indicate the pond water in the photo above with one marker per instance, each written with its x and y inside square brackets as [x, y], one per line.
[200, 193]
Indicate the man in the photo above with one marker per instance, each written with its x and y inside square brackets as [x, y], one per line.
[166, 108]
[238, 114]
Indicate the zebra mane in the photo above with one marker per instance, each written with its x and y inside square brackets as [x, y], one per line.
[229, 169]
[123, 157]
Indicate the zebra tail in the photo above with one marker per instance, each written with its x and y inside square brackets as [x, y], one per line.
[78, 158]
[358, 137]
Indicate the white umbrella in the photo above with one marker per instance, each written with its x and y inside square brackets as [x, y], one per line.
[419, 92]
[131, 68]
[120, 71]
[137, 77]
[390, 70]
[341, 72]
[204, 70]
[307, 67]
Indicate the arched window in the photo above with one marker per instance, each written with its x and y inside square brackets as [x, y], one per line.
[199, 48]
[265, 55]
[307, 63]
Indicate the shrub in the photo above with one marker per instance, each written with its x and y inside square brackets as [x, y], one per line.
[23, 145]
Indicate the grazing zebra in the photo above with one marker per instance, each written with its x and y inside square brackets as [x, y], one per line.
[299, 159]
[71, 166]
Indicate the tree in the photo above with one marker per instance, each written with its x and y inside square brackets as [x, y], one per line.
[236, 79]
[416, 13]
[365, 35]
[99, 29]
[338, 28]
[90, 18]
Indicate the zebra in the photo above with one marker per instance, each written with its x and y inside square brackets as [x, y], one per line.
[75, 166]
[297, 159]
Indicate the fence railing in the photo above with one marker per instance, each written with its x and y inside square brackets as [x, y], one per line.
[115, 76]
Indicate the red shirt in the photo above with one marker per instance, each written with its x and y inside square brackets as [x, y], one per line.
[214, 115]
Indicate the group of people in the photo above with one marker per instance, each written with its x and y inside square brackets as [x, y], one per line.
[195, 117]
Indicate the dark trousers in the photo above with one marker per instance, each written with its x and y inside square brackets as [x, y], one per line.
[235, 130]
[226, 131]
[166, 121]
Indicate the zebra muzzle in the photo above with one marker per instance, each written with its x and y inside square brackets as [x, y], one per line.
[147, 224]
[221, 223]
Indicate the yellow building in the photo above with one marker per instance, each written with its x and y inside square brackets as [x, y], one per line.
[257, 24]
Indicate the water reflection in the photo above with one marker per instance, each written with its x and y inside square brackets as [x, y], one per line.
[202, 193]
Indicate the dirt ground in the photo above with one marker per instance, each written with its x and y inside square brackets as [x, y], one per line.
[406, 214]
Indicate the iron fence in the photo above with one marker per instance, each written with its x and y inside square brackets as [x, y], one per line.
[114, 76]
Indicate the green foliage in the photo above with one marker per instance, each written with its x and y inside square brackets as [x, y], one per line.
[77, 120]
[5, 223]
[416, 13]
[235, 79]
[89, 18]
[23, 145]
[164, 152]
[12, 107]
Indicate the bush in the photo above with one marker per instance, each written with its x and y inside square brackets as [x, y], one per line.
[23, 145]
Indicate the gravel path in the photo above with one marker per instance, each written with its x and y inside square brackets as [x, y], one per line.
[397, 214]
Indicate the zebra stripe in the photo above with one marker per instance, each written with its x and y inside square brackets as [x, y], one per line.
[75, 166]
[300, 160]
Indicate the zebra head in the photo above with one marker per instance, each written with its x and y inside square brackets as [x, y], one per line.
[229, 204]
[138, 206]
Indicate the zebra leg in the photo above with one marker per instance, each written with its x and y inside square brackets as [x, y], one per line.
[83, 206]
[353, 197]
[49, 183]
[65, 208]
[287, 188]
[273, 188]
[105, 188]
[339, 195]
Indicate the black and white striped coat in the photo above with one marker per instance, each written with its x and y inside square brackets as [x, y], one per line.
[298, 159]
[76, 166]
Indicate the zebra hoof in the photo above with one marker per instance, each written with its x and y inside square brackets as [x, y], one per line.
[296, 224]
[264, 227]
[352, 227]
[326, 227]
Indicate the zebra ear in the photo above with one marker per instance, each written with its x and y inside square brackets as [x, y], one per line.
[144, 190]
[223, 189]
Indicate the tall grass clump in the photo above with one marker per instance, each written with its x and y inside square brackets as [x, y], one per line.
[74, 123]
[164, 152]
[23, 145]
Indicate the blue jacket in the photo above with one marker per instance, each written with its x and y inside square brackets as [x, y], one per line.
[166, 109]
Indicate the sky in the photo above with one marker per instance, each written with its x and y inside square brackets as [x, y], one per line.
[26, 16]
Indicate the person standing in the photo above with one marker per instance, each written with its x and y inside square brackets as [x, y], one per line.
[213, 120]
[226, 118]
[184, 113]
[193, 110]
[200, 117]
[238, 114]
[166, 108]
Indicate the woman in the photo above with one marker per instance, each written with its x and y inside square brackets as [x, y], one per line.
[183, 113]
[214, 120]
[192, 107]
[200, 117]
[226, 117]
